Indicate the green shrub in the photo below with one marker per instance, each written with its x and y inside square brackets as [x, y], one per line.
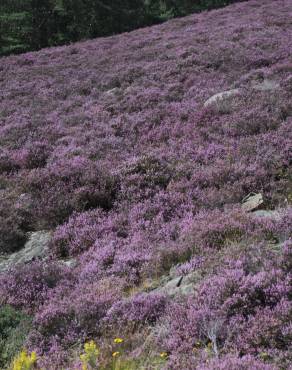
[14, 327]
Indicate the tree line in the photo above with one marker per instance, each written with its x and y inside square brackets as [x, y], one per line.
[27, 25]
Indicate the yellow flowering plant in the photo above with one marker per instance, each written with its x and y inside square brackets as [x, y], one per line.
[90, 356]
[24, 361]
[118, 340]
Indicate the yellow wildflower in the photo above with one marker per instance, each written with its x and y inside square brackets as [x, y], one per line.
[163, 354]
[33, 357]
[84, 366]
[24, 361]
[118, 340]
[90, 356]
[83, 357]
[90, 347]
[115, 354]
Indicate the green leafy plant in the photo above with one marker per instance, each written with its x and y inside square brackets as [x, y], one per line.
[14, 327]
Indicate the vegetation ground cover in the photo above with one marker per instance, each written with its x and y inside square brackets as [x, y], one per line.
[108, 144]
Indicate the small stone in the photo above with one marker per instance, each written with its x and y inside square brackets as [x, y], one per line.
[71, 263]
[113, 92]
[181, 285]
[252, 202]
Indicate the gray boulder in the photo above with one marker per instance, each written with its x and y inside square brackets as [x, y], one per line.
[262, 213]
[221, 97]
[35, 247]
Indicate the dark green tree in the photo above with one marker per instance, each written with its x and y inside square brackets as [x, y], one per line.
[88, 18]
[42, 22]
[34, 24]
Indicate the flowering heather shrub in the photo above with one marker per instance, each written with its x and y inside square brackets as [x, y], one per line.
[14, 221]
[206, 362]
[73, 313]
[12, 235]
[236, 363]
[215, 228]
[244, 308]
[144, 177]
[27, 286]
[65, 186]
[7, 164]
[139, 310]
[108, 144]
[287, 254]
[78, 234]
[33, 155]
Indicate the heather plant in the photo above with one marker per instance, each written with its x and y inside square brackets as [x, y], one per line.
[286, 258]
[13, 236]
[13, 223]
[67, 242]
[144, 177]
[27, 286]
[234, 363]
[243, 310]
[34, 154]
[70, 316]
[63, 187]
[7, 164]
[214, 229]
[142, 309]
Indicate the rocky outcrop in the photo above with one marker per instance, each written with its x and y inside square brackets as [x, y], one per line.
[179, 285]
[35, 247]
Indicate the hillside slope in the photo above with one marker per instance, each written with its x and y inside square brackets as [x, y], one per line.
[115, 147]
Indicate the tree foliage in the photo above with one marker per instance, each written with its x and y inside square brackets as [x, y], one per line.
[31, 24]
